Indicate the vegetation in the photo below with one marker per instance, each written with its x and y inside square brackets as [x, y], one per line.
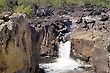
[105, 3]
[2, 4]
[24, 9]
[27, 5]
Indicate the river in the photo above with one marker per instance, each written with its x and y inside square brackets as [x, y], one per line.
[64, 62]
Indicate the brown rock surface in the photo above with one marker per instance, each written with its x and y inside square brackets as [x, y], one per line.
[18, 50]
[90, 43]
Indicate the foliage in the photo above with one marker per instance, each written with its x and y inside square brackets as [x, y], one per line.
[27, 5]
[2, 4]
[104, 3]
[23, 9]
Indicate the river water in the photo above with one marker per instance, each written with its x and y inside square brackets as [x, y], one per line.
[63, 63]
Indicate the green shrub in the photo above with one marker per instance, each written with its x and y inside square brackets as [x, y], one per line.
[2, 4]
[105, 3]
[57, 2]
[26, 5]
[23, 9]
[24, 2]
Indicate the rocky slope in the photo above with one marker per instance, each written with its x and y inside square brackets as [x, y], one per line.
[24, 41]
[90, 38]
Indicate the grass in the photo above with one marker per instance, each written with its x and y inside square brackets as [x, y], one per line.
[23, 9]
[26, 5]
[2, 5]
[104, 3]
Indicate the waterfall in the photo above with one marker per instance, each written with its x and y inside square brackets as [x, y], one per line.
[63, 62]
[64, 50]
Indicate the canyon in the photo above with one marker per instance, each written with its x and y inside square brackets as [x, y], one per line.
[26, 43]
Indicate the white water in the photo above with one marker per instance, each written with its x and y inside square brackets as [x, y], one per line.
[64, 62]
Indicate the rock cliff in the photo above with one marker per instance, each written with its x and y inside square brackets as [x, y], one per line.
[23, 41]
[90, 38]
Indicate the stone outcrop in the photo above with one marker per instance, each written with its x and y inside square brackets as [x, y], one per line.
[90, 40]
[24, 41]
[52, 31]
[18, 46]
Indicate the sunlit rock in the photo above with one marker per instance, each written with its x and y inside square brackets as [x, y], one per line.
[1, 21]
[9, 24]
[92, 45]
[18, 49]
[2, 26]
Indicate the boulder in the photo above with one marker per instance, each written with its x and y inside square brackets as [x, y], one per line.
[5, 16]
[2, 26]
[104, 18]
[79, 21]
[82, 48]
[1, 21]
[100, 60]
[96, 12]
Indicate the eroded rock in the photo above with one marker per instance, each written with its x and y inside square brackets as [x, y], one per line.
[90, 41]
[18, 49]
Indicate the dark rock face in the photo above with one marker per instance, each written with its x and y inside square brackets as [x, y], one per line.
[104, 18]
[43, 12]
[52, 32]
[96, 12]
[108, 48]
[18, 45]
[79, 21]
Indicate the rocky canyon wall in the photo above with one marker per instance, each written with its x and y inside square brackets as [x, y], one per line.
[23, 41]
[90, 38]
